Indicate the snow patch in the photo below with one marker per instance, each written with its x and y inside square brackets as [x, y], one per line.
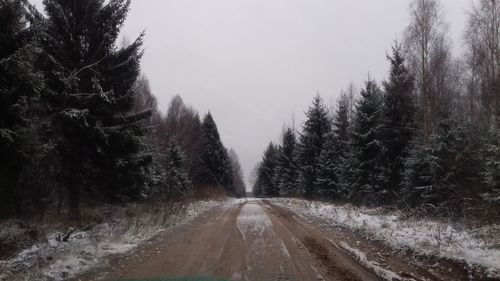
[428, 237]
[374, 266]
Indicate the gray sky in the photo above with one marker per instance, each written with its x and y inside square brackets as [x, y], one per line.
[256, 63]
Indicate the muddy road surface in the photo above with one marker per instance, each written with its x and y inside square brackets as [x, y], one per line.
[251, 240]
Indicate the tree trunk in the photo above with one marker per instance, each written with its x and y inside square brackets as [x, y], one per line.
[74, 201]
[72, 184]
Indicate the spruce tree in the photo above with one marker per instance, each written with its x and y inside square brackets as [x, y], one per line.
[286, 166]
[342, 134]
[491, 171]
[257, 186]
[440, 172]
[313, 136]
[278, 171]
[182, 123]
[418, 172]
[327, 182]
[266, 173]
[144, 99]
[20, 84]
[341, 122]
[465, 165]
[238, 178]
[366, 145]
[177, 182]
[397, 122]
[90, 97]
[440, 145]
[427, 175]
[215, 157]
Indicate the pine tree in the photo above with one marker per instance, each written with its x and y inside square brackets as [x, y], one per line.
[176, 178]
[90, 97]
[366, 145]
[286, 167]
[315, 129]
[215, 157]
[20, 84]
[396, 131]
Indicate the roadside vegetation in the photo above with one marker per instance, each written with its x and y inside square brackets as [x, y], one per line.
[83, 143]
[423, 144]
[475, 246]
[424, 141]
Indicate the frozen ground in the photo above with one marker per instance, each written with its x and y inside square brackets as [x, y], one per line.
[55, 260]
[479, 246]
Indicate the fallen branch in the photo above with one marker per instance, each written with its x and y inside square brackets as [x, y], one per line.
[65, 238]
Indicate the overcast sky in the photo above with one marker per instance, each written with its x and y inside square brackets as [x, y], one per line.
[257, 63]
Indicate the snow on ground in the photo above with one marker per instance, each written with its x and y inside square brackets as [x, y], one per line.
[374, 266]
[479, 246]
[55, 260]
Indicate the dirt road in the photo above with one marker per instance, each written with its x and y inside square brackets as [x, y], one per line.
[248, 240]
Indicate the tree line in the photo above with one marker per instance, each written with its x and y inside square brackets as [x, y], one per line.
[427, 138]
[78, 124]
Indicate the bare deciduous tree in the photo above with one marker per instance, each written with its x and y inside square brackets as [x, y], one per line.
[429, 57]
[482, 38]
[182, 123]
[145, 100]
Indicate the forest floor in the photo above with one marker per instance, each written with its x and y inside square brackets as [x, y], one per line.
[253, 239]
